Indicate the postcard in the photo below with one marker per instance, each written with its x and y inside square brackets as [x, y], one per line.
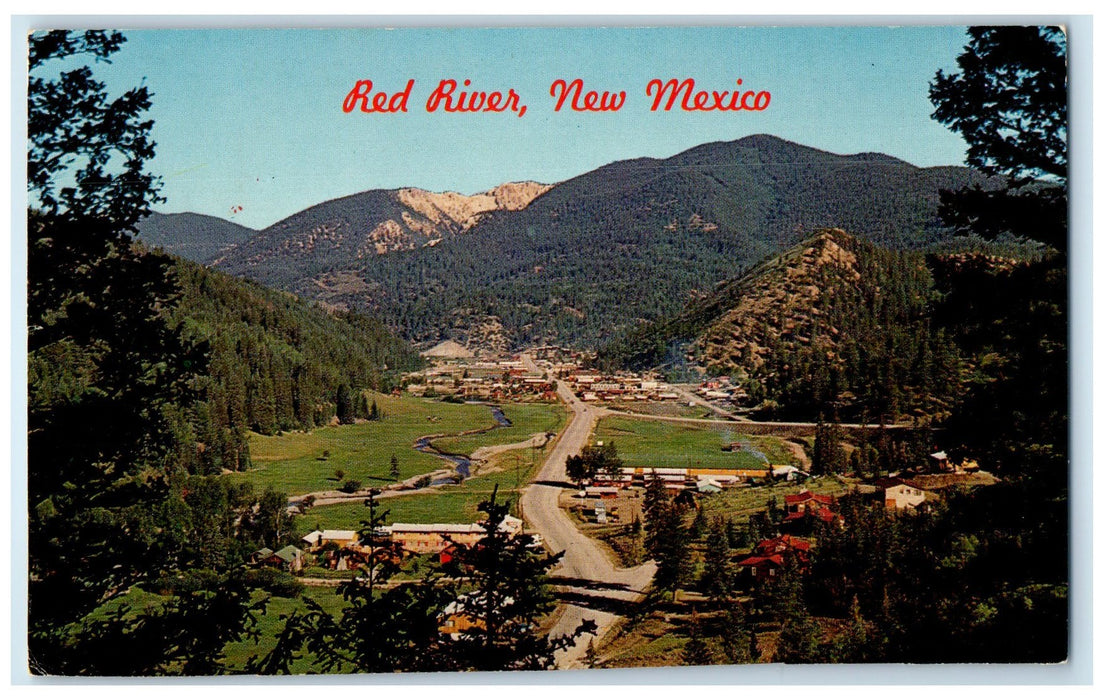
[508, 348]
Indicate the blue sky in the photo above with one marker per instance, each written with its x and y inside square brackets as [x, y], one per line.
[253, 118]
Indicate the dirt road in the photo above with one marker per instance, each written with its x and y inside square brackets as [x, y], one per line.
[591, 576]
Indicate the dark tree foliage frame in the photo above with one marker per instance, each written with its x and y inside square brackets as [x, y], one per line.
[1009, 101]
[107, 379]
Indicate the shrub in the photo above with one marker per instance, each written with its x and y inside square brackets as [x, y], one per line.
[276, 582]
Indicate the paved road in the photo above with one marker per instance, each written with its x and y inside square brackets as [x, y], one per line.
[584, 563]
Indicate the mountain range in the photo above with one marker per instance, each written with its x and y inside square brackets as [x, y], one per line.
[590, 257]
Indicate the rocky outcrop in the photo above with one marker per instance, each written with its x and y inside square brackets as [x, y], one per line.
[466, 210]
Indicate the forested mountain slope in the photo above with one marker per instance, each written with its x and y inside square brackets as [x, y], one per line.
[833, 322]
[192, 236]
[323, 242]
[276, 362]
[629, 241]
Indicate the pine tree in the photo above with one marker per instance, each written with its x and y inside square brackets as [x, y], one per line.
[699, 526]
[1015, 77]
[668, 542]
[828, 453]
[507, 592]
[394, 470]
[345, 412]
[655, 494]
[717, 577]
[733, 534]
[737, 639]
[798, 640]
[696, 652]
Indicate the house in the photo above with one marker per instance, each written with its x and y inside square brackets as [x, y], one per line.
[940, 462]
[769, 557]
[353, 558]
[461, 615]
[602, 491]
[787, 472]
[342, 538]
[260, 555]
[902, 494]
[290, 558]
[708, 486]
[805, 510]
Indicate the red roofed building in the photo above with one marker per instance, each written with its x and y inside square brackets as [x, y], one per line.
[769, 556]
[804, 510]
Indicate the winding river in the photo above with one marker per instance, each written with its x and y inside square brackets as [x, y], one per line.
[461, 462]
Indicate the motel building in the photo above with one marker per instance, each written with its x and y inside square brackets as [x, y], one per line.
[432, 538]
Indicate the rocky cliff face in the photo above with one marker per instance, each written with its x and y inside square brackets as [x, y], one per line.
[445, 211]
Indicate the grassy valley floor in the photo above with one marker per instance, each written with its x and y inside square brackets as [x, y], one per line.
[362, 452]
[648, 443]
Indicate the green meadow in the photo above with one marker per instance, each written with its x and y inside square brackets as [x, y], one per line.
[269, 625]
[525, 419]
[291, 463]
[649, 443]
[297, 463]
[445, 504]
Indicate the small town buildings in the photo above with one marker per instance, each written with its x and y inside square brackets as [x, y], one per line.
[430, 539]
[289, 558]
[260, 555]
[619, 504]
[708, 486]
[939, 462]
[460, 615]
[721, 476]
[787, 472]
[608, 492]
[351, 558]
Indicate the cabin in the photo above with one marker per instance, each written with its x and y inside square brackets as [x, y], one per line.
[769, 557]
[457, 617]
[342, 538]
[290, 558]
[805, 510]
[902, 494]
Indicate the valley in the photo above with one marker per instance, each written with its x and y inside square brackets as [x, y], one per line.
[746, 401]
[728, 387]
